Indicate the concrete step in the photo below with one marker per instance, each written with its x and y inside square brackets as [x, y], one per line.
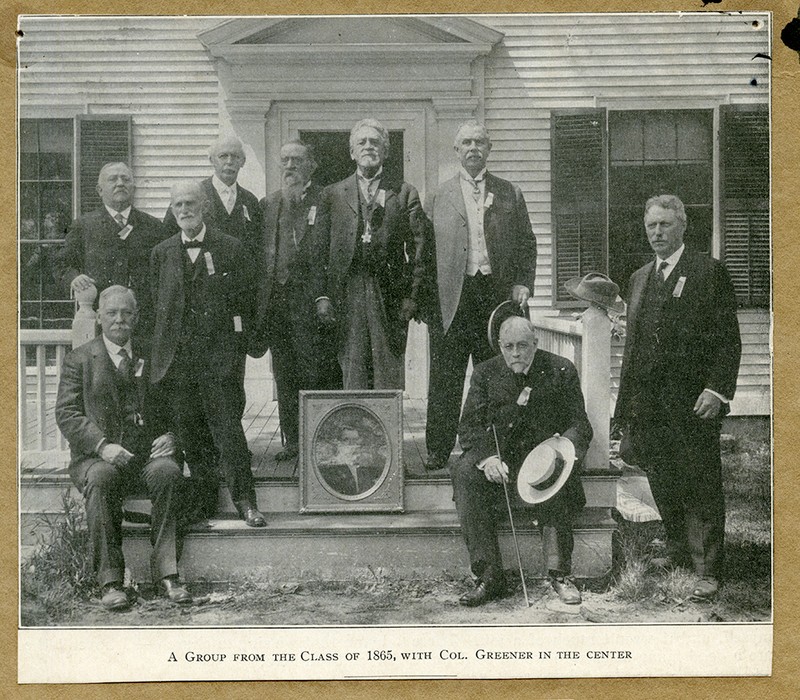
[43, 495]
[351, 545]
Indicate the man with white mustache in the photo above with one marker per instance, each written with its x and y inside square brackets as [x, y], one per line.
[203, 291]
[112, 245]
[286, 322]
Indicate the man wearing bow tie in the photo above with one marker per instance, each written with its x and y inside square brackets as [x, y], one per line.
[286, 322]
[526, 396]
[112, 245]
[118, 442]
[679, 373]
[485, 253]
[202, 288]
[371, 235]
[231, 209]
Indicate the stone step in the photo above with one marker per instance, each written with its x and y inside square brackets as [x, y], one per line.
[43, 495]
[345, 546]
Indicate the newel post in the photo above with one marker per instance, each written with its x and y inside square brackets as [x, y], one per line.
[596, 380]
[84, 325]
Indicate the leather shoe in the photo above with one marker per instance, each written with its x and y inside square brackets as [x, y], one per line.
[174, 592]
[482, 593]
[114, 597]
[287, 453]
[252, 517]
[435, 463]
[566, 590]
[706, 588]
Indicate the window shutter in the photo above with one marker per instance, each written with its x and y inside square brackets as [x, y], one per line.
[100, 140]
[745, 187]
[578, 196]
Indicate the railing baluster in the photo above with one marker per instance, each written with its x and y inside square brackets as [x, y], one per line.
[23, 396]
[61, 350]
[41, 397]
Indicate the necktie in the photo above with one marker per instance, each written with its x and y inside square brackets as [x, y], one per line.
[230, 199]
[192, 244]
[120, 219]
[124, 367]
[661, 271]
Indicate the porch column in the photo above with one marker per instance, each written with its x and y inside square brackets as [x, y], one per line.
[596, 381]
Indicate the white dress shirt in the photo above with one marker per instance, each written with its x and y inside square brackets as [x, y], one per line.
[226, 194]
[671, 261]
[199, 238]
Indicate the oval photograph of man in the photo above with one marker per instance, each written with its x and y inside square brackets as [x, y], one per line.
[350, 453]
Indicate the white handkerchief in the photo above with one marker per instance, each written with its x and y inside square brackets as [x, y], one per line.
[679, 287]
[489, 199]
[380, 198]
[209, 262]
[312, 215]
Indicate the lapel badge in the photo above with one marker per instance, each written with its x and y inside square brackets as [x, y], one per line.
[366, 237]
[209, 262]
[312, 215]
[125, 232]
[679, 287]
[487, 202]
[245, 212]
[524, 395]
[139, 367]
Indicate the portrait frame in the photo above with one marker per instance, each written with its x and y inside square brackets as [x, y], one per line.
[339, 429]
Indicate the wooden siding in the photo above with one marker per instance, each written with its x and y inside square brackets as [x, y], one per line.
[153, 69]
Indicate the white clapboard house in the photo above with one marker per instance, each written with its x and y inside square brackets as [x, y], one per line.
[588, 114]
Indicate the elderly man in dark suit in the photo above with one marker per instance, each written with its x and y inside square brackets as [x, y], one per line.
[202, 288]
[485, 253]
[286, 322]
[678, 376]
[526, 395]
[112, 245]
[230, 208]
[371, 234]
[119, 441]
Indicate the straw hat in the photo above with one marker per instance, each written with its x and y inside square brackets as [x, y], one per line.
[545, 470]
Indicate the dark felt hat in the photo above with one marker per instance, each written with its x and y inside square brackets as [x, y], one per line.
[596, 288]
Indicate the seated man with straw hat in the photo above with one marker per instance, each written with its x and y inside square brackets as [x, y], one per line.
[523, 428]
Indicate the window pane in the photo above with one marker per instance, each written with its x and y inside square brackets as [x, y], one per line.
[57, 314]
[693, 184]
[659, 137]
[30, 268]
[626, 137]
[699, 229]
[29, 211]
[55, 209]
[55, 136]
[694, 136]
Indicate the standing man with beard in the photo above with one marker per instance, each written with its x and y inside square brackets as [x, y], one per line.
[285, 321]
[203, 290]
[232, 209]
[369, 269]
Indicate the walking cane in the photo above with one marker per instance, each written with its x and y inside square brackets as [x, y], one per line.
[511, 520]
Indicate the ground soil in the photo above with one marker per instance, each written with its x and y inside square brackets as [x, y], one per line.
[422, 602]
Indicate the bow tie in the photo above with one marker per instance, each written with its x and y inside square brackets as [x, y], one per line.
[192, 244]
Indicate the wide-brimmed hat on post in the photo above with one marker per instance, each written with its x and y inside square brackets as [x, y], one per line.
[545, 470]
[503, 311]
[596, 288]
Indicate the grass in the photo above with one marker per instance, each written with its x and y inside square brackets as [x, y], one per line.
[58, 576]
[746, 594]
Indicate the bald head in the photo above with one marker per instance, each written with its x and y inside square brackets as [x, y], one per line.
[187, 203]
[227, 156]
[517, 343]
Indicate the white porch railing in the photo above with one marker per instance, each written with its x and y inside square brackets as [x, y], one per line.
[586, 342]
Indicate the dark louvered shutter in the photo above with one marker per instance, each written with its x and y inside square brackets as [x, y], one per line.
[744, 147]
[101, 140]
[578, 195]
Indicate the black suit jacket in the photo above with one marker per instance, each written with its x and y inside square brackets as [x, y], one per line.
[698, 348]
[510, 243]
[267, 258]
[555, 405]
[244, 221]
[88, 406]
[224, 295]
[399, 242]
[93, 247]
